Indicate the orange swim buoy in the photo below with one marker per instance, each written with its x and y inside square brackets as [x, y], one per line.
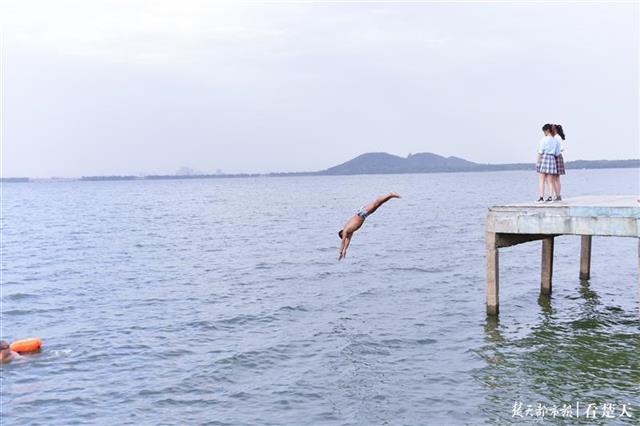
[26, 345]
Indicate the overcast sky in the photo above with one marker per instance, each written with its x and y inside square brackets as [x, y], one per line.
[131, 87]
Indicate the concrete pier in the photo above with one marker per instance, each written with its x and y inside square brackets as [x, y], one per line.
[508, 225]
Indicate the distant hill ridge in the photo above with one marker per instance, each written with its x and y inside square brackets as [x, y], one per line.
[427, 162]
[380, 163]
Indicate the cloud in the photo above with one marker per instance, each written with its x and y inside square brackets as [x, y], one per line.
[247, 86]
[130, 31]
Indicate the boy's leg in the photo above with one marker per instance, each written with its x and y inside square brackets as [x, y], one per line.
[375, 204]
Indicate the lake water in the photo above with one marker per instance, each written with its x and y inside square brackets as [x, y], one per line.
[221, 302]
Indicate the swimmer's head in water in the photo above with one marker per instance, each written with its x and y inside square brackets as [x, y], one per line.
[5, 351]
[340, 234]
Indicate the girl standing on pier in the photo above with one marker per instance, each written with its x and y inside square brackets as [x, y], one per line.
[546, 162]
[558, 134]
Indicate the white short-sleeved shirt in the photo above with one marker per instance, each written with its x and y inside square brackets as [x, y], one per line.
[561, 142]
[549, 145]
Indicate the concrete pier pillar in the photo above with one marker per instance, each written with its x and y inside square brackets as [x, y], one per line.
[493, 274]
[585, 257]
[547, 265]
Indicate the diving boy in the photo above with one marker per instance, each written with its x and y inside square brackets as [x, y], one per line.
[356, 221]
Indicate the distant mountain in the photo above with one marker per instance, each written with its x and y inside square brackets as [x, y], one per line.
[381, 163]
[374, 162]
[427, 162]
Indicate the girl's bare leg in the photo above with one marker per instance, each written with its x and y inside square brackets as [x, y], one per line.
[556, 185]
[551, 184]
[541, 178]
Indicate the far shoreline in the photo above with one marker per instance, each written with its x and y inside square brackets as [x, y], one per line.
[118, 178]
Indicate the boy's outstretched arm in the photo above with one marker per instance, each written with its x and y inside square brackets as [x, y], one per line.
[343, 248]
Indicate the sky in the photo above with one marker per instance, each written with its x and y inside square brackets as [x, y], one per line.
[147, 87]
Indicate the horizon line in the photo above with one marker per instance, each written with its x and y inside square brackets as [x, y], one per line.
[276, 174]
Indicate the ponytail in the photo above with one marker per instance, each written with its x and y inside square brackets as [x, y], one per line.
[559, 130]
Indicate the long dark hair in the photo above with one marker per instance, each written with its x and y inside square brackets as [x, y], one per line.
[547, 127]
[558, 129]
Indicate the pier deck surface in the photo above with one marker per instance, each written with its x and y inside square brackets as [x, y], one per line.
[617, 216]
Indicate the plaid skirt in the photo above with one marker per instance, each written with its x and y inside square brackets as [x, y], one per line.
[547, 164]
[560, 165]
